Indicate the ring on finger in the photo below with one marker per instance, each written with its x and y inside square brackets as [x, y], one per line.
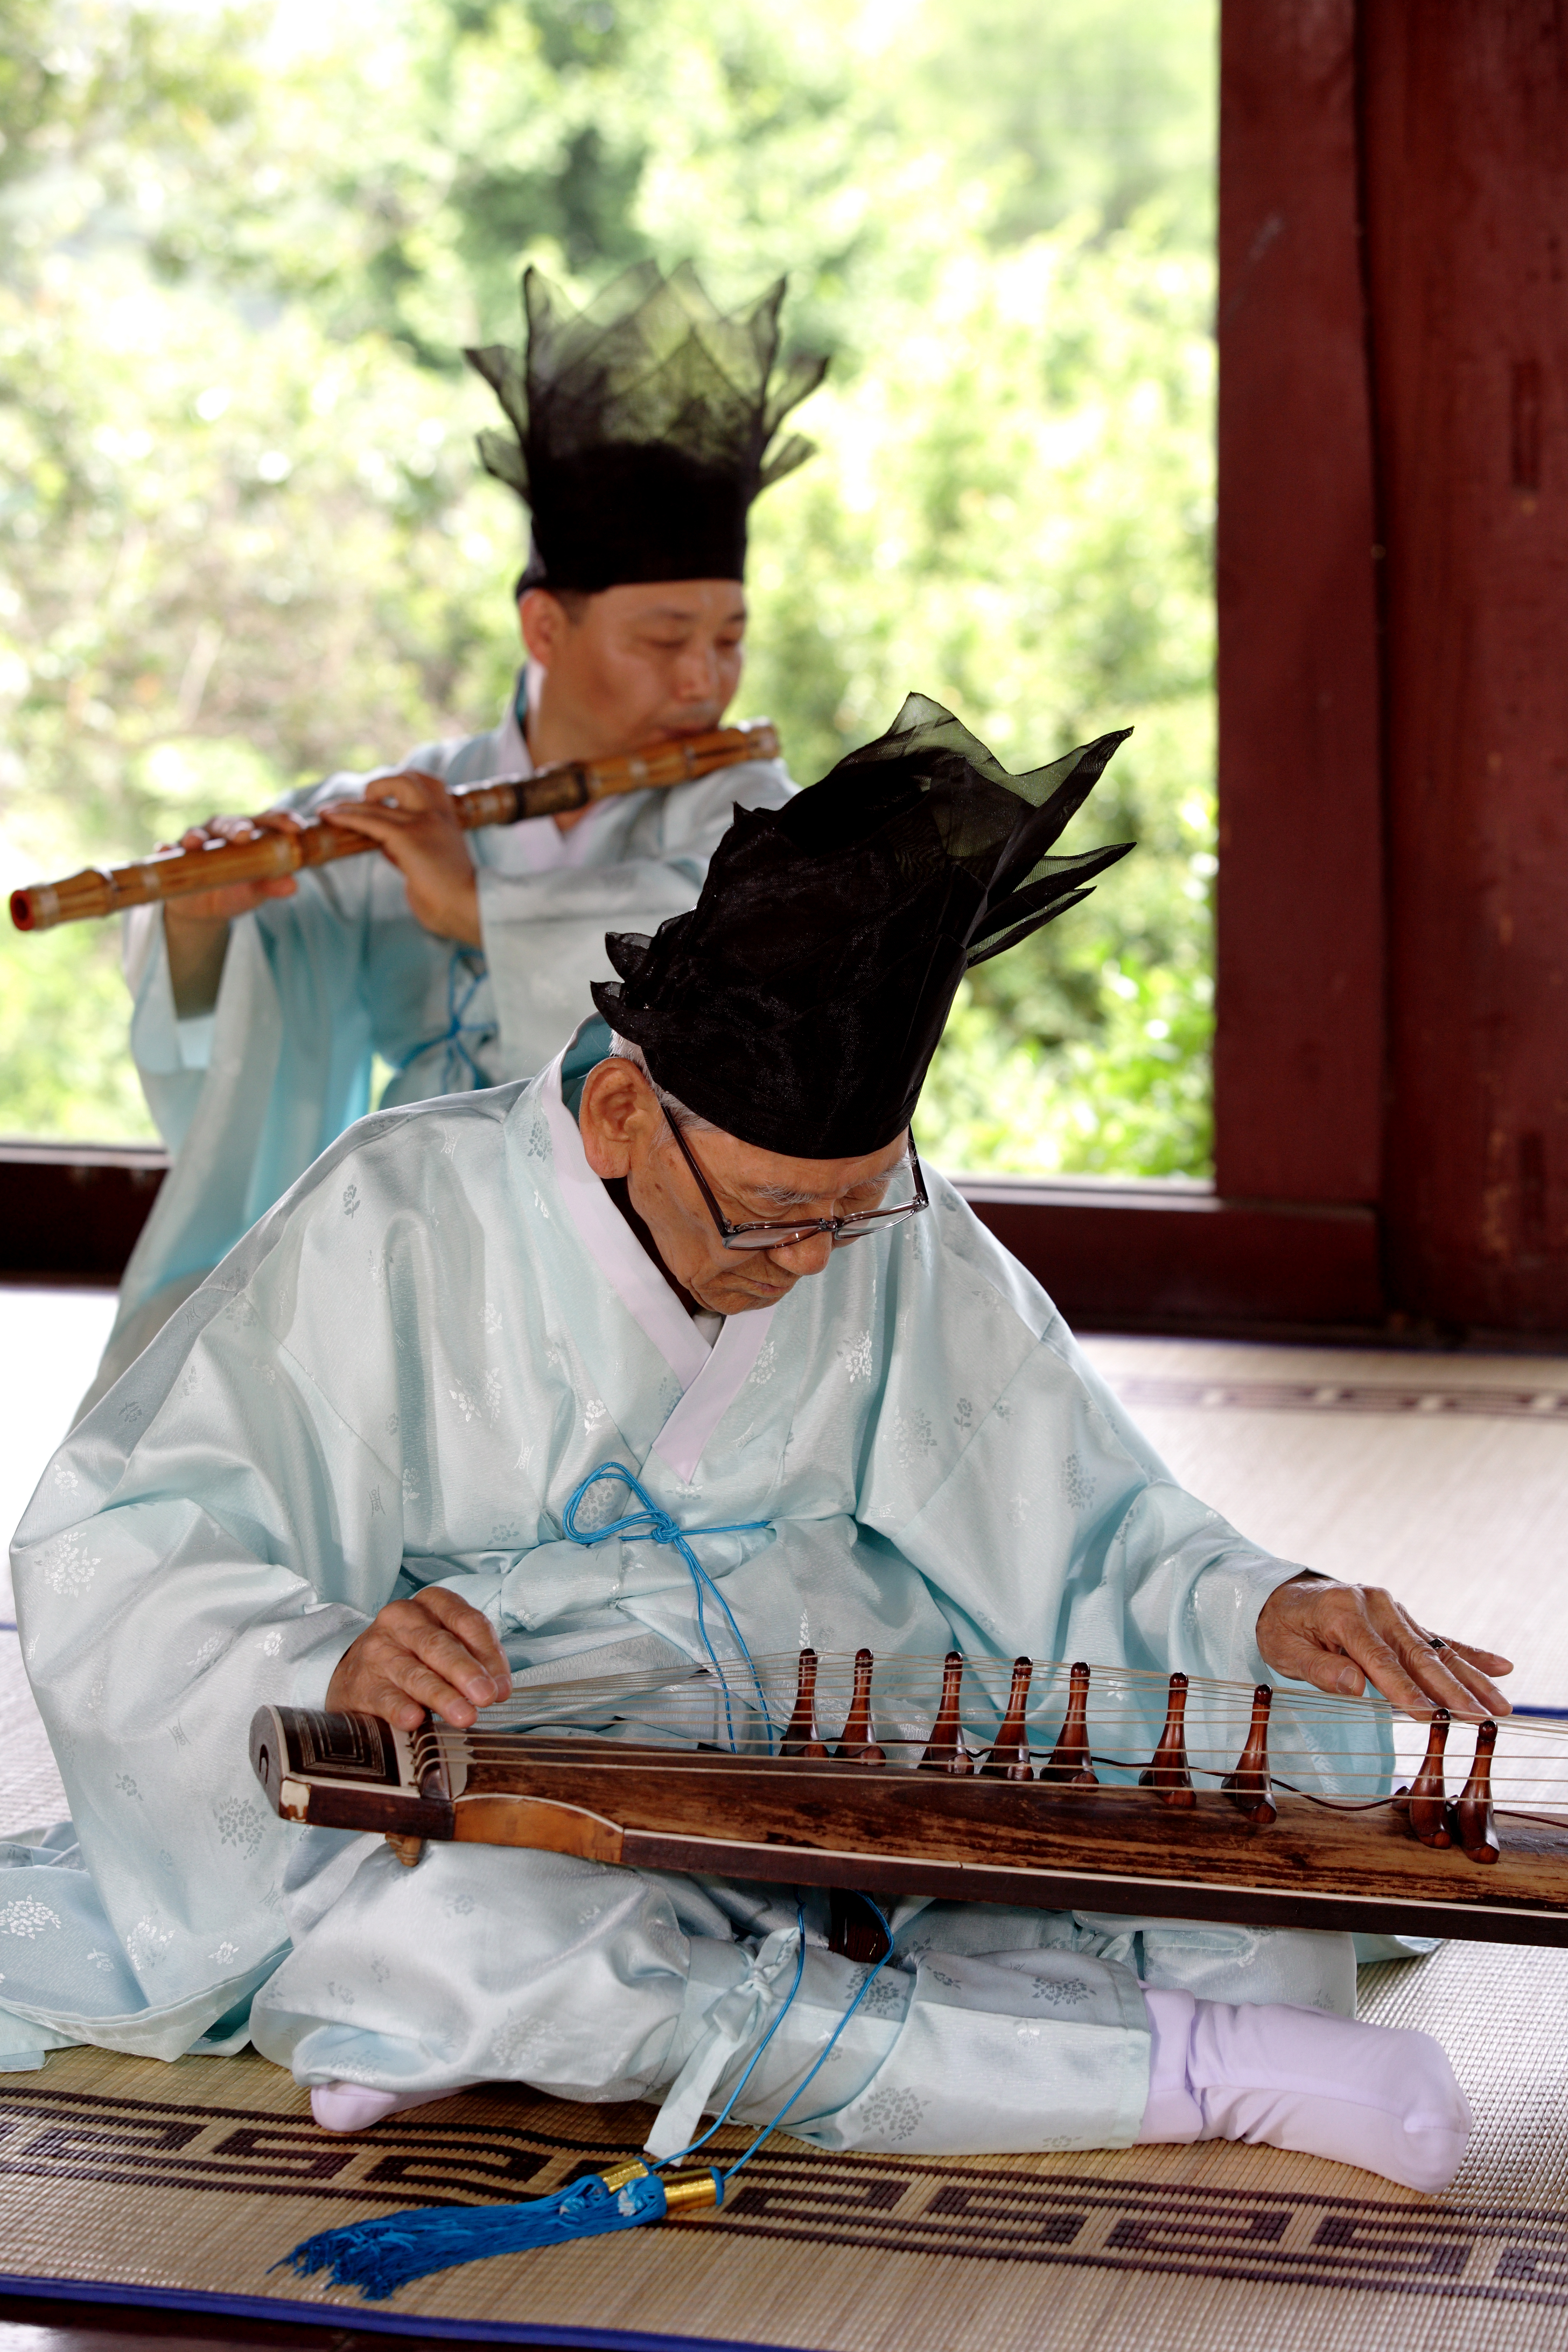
[1437, 1641]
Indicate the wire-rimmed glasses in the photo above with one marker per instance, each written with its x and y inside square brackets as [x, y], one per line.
[779, 1235]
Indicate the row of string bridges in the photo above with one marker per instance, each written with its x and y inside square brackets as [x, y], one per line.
[1468, 1821]
[1035, 1720]
[1071, 1759]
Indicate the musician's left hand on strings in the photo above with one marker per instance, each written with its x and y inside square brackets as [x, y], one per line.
[432, 1650]
[1341, 1636]
[411, 818]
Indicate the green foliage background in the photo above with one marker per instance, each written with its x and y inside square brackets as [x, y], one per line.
[243, 539]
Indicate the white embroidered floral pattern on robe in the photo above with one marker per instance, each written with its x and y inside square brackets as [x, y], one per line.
[399, 1379]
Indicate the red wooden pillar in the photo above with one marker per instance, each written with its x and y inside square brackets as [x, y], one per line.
[1299, 1046]
[1465, 129]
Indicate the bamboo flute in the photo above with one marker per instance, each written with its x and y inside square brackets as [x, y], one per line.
[565, 784]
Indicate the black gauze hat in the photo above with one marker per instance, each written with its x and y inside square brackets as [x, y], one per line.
[641, 428]
[798, 1004]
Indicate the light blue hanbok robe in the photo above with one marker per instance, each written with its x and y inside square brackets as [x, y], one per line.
[315, 987]
[399, 1379]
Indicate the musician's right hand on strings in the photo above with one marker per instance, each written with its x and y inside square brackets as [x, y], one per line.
[430, 1651]
[1341, 1636]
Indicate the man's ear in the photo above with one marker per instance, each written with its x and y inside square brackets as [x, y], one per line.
[543, 620]
[617, 1108]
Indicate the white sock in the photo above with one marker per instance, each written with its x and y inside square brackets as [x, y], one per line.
[350, 2107]
[1380, 2096]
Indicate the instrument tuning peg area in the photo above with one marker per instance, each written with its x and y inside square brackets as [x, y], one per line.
[1167, 1772]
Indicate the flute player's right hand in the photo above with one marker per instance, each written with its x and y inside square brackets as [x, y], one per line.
[198, 913]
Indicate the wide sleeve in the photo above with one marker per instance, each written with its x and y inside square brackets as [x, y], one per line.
[286, 1071]
[173, 1054]
[1042, 1519]
[1059, 1533]
[545, 932]
[210, 1539]
[245, 1097]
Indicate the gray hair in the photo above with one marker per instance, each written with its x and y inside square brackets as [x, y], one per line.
[689, 1122]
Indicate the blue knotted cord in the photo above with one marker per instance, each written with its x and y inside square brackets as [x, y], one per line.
[682, 2152]
[768, 2129]
[652, 1525]
[469, 964]
[382, 2256]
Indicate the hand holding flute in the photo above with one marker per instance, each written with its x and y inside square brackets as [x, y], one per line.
[257, 854]
[410, 817]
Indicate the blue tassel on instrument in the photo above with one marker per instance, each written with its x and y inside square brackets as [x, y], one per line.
[380, 2256]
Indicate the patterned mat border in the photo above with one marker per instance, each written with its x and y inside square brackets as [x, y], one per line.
[1536, 1403]
[347, 2319]
[1285, 2235]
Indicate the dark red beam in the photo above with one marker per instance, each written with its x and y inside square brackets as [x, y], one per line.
[1300, 1045]
[1464, 108]
[1162, 1259]
[1132, 1257]
[71, 1212]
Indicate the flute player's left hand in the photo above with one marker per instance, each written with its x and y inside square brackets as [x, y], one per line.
[411, 819]
[1341, 1636]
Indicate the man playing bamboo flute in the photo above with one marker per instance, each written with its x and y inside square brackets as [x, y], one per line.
[640, 435]
[343, 1475]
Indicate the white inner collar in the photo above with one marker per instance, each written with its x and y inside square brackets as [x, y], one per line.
[711, 1371]
[536, 845]
[614, 1249]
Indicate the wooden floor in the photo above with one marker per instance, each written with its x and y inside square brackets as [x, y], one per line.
[1444, 1477]
[31, 2324]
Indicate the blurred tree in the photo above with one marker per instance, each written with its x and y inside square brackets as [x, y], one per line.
[245, 540]
[1094, 107]
[97, 101]
[1019, 520]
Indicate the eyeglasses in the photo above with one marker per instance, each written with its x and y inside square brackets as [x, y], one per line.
[780, 1236]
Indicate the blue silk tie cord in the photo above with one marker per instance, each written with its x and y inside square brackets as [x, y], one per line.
[380, 2256]
[467, 970]
[656, 1526]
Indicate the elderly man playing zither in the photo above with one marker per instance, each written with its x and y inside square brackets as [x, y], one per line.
[640, 437]
[342, 1476]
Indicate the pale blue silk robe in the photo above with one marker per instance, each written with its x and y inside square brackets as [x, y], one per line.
[398, 1379]
[315, 987]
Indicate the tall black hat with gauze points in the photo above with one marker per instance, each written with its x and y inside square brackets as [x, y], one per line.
[798, 1004]
[641, 428]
